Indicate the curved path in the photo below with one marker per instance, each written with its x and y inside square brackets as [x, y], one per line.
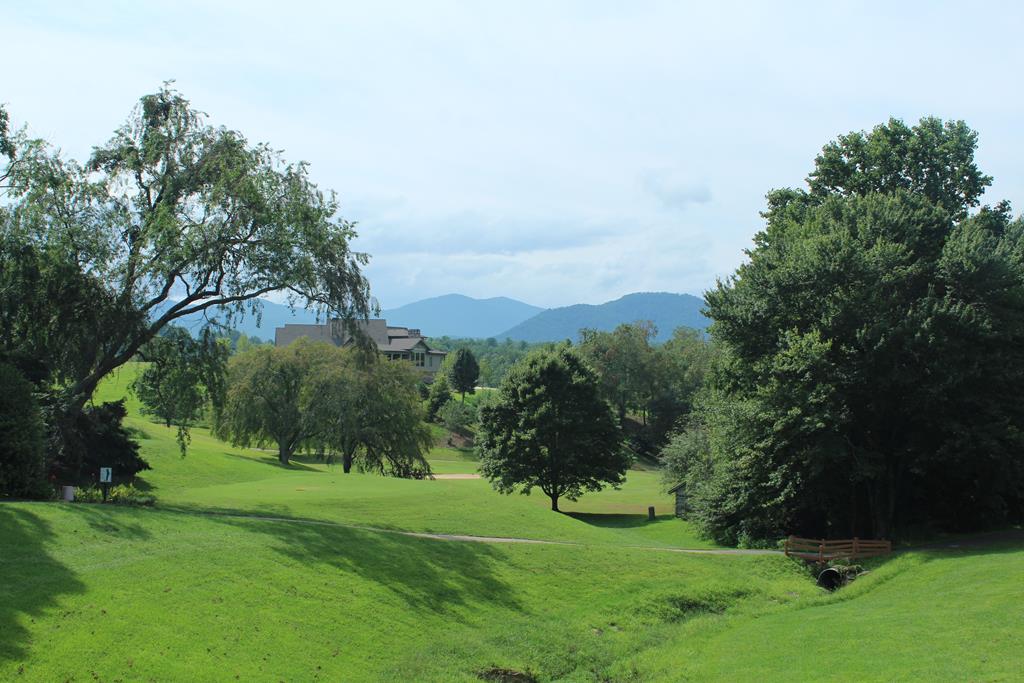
[465, 538]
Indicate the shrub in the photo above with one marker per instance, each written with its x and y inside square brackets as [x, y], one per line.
[440, 394]
[22, 438]
[456, 416]
[122, 494]
[101, 440]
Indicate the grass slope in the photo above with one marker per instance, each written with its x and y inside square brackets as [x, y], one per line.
[93, 592]
[136, 594]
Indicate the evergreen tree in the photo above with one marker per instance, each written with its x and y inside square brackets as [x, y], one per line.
[463, 372]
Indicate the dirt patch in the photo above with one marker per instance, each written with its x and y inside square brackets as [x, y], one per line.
[456, 440]
[500, 675]
[676, 608]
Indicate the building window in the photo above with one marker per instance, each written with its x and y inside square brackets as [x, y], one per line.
[419, 359]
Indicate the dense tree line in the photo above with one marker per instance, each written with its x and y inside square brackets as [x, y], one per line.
[171, 217]
[655, 382]
[870, 354]
[494, 357]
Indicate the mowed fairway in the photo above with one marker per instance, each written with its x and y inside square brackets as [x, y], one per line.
[201, 588]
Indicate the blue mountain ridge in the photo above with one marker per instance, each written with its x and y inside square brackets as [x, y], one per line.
[456, 315]
[667, 311]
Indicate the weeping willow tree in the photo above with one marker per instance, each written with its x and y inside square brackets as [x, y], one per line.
[169, 218]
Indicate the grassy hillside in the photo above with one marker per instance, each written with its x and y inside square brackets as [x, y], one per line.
[216, 476]
[94, 592]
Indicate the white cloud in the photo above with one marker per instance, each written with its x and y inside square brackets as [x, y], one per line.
[553, 152]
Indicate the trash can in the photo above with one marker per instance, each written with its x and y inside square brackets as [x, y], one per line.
[67, 493]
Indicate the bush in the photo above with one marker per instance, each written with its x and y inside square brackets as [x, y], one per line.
[457, 416]
[101, 440]
[440, 394]
[22, 438]
[122, 494]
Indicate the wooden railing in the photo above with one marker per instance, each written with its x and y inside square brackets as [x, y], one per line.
[822, 551]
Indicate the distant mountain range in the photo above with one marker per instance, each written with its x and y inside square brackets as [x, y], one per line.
[667, 311]
[455, 315]
[273, 316]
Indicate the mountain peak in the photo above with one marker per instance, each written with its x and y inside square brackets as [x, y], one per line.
[666, 310]
[458, 315]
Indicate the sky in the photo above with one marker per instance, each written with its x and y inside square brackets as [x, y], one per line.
[555, 152]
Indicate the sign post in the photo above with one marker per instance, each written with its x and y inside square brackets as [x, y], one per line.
[105, 477]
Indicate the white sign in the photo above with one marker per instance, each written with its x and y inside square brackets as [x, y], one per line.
[104, 475]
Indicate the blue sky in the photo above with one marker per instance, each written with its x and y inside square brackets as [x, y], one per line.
[553, 152]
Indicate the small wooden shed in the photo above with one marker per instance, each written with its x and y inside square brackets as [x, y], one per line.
[681, 508]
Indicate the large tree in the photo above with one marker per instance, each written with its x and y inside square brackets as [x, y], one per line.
[871, 350]
[369, 413]
[267, 401]
[171, 217]
[550, 428]
[339, 403]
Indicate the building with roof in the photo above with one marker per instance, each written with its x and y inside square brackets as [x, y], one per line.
[394, 343]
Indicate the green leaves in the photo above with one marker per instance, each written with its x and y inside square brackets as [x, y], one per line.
[184, 377]
[330, 401]
[462, 371]
[872, 341]
[934, 160]
[551, 429]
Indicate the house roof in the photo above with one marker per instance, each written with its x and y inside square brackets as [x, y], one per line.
[676, 488]
[402, 344]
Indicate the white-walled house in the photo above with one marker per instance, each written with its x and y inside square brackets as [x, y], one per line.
[395, 343]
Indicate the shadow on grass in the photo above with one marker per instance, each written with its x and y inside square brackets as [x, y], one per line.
[274, 511]
[33, 579]
[426, 574]
[294, 464]
[989, 543]
[618, 521]
[105, 518]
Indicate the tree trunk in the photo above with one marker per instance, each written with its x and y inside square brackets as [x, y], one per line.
[284, 454]
[346, 463]
[883, 503]
[554, 503]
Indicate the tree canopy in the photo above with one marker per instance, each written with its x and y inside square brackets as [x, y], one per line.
[369, 413]
[333, 402]
[870, 351]
[183, 377]
[171, 217]
[655, 382]
[266, 401]
[550, 428]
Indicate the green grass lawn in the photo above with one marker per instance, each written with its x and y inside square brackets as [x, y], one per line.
[135, 594]
[99, 592]
[216, 476]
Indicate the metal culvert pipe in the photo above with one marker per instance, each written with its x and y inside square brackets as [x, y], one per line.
[830, 578]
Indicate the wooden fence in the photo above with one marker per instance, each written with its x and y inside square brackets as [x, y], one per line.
[821, 550]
